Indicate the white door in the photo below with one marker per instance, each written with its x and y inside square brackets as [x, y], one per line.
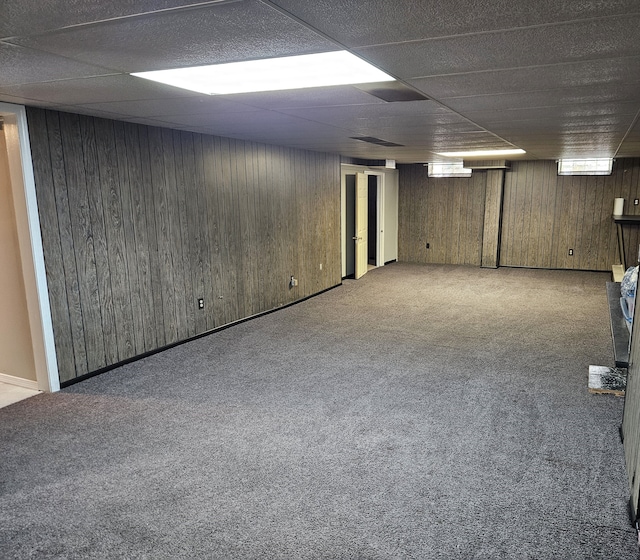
[360, 238]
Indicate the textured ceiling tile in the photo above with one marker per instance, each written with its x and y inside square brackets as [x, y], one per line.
[306, 98]
[236, 122]
[548, 98]
[169, 107]
[358, 23]
[219, 33]
[28, 17]
[589, 110]
[336, 115]
[96, 90]
[4, 98]
[23, 66]
[579, 41]
[591, 73]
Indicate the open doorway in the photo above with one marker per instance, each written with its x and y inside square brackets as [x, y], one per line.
[381, 215]
[373, 225]
[36, 367]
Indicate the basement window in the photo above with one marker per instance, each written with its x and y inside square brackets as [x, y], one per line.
[448, 169]
[595, 166]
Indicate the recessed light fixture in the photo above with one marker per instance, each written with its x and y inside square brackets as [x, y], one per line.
[272, 74]
[483, 153]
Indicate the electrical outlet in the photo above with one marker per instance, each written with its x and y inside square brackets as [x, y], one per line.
[200, 303]
[571, 252]
[636, 201]
[427, 245]
[293, 282]
[320, 266]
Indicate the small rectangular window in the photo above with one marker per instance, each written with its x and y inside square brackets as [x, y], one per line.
[447, 169]
[595, 166]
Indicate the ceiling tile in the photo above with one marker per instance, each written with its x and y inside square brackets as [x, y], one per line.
[28, 17]
[579, 41]
[591, 73]
[548, 98]
[358, 23]
[411, 110]
[200, 105]
[213, 34]
[22, 66]
[305, 98]
[119, 87]
[588, 110]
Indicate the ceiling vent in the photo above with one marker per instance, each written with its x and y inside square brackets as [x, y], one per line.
[377, 141]
[392, 92]
[487, 164]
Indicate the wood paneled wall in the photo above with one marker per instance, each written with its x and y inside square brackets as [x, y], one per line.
[542, 217]
[447, 213]
[139, 222]
[545, 215]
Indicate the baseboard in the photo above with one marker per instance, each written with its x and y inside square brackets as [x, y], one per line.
[13, 380]
[64, 384]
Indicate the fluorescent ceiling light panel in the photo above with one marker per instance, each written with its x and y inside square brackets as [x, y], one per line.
[483, 153]
[595, 166]
[456, 169]
[272, 74]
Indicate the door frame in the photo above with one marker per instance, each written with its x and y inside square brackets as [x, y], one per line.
[350, 169]
[30, 245]
[379, 215]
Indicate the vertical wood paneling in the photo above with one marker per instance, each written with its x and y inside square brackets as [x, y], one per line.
[53, 250]
[140, 253]
[545, 215]
[115, 237]
[447, 213]
[165, 255]
[129, 221]
[101, 251]
[139, 222]
[492, 215]
[150, 199]
[80, 223]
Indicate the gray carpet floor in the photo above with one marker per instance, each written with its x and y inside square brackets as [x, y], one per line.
[420, 412]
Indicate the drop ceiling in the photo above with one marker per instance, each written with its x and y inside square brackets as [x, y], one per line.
[557, 79]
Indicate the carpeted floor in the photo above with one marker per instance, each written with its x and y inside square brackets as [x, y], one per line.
[421, 412]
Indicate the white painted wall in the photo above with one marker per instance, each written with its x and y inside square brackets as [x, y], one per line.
[16, 348]
[27, 223]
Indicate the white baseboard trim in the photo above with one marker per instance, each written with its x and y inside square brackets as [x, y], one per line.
[13, 380]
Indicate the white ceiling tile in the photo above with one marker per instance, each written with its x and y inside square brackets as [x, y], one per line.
[213, 34]
[358, 23]
[551, 44]
[29, 17]
[19, 65]
[557, 77]
[102, 89]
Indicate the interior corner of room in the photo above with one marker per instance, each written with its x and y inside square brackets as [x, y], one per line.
[138, 216]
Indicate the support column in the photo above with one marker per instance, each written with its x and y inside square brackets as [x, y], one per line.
[492, 218]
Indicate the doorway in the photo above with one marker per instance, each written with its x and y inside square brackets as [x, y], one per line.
[381, 214]
[38, 371]
[373, 225]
